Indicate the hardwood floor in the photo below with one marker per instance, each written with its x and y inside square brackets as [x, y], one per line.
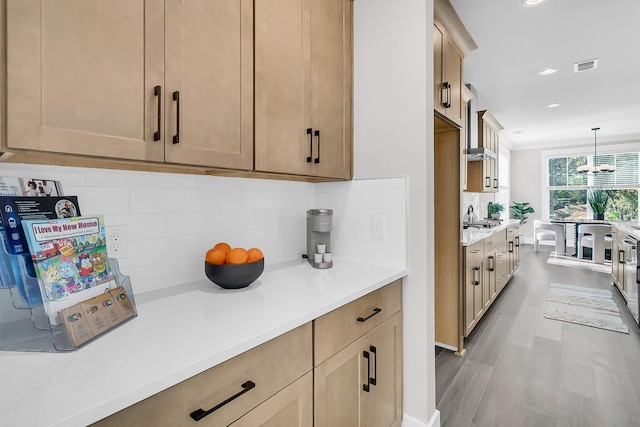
[521, 369]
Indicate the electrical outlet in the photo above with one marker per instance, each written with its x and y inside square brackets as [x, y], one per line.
[282, 225]
[377, 227]
[117, 241]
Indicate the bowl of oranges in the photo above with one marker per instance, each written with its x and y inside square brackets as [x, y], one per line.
[233, 268]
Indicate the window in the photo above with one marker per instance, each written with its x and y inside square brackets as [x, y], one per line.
[568, 188]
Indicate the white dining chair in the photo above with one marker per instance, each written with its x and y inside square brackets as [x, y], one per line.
[555, 232]
[594, 236]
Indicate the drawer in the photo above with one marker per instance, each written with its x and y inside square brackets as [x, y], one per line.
[512, 232]
[339, 328]
[271, 367]
[473, 252]
[490, 242]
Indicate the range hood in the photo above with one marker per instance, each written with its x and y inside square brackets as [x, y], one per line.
[475, 153]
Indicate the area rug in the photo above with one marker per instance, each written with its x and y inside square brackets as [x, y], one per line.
[576, 263]
[584, 306]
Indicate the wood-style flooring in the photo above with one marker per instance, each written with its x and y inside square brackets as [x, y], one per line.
[521, 369]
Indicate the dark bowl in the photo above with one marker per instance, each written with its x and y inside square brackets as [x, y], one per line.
[235, 276]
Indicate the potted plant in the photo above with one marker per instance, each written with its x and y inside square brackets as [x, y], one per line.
[494, 210]
[520, 210]
[598, 200]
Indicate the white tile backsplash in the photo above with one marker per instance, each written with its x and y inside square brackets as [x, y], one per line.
[172, 219]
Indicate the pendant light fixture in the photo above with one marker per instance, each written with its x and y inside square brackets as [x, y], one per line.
[596, 168]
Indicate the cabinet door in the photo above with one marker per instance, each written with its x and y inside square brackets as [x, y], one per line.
[489, 285]
[384, 401]
[344, 392]
[81, 76]
[209, 65]
[452, 75]
[282, 98]
[303, 87]
[291, 407]
[331, 87]
[472, 295]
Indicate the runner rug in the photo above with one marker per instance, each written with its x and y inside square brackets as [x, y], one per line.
[584, 306]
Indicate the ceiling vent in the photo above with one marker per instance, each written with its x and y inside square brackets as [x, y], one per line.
[591, 64]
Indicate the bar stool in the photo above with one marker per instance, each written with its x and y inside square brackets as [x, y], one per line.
[543, 230]
[594, 236]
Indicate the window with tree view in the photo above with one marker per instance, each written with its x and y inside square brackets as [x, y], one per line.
[568, 188]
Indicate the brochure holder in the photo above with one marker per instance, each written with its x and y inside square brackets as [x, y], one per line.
[31, 322]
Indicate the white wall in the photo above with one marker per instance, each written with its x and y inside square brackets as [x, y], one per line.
[393, 103]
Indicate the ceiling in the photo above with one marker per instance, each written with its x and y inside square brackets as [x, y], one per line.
[516, 42]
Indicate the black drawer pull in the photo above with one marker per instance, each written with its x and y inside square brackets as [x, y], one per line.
[373, 380]
[317, 159]
[310, 133]
[157, 91]
[366, 386]
[176, 137]
[200, 413]
[364, 319]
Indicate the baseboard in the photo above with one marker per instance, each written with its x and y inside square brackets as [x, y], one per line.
[408, 421]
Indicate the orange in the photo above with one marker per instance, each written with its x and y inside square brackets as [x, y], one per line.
[237, 256]
[254, 254]
[215, 256]
[224, 246]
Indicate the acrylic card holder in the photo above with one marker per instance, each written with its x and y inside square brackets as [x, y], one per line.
[66, 323]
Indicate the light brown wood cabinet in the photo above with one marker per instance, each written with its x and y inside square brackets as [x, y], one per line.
[142, 80]
[303, 87]
[447, 72]
[279, 384]
[513, 242]
[483, 176]
[362, 384]
[475, 285]
[358, 373]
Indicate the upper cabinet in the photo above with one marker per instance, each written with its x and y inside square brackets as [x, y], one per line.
[142, 80]
[447, 71]
[173, 82]
[451, 43]
[303, 87]
[482, 176]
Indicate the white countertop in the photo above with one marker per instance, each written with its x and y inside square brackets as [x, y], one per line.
[179, 332]
[632, 228]
[473, 235]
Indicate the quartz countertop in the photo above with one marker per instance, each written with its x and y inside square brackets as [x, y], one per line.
[180, 331]
[473, 235]
[632, 228]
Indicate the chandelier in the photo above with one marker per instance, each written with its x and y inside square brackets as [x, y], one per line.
[605, 167]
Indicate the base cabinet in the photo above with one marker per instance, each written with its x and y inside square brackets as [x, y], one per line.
[361, 385]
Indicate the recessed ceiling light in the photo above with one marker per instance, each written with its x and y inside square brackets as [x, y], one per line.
[548, 71]
[532, 3]
[553, 105]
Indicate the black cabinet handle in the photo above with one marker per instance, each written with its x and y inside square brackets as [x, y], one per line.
[317, 160]
[374, 379]
[476, 281]
[157, 91]
[366, 386]
[511, 246]
[310, 133]
[487, 182]
[176, 137]
[447, 87]
[364, 319]
[495, 182]
[492, 261]
[621, 256]
[517, 241]
[200, 413]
